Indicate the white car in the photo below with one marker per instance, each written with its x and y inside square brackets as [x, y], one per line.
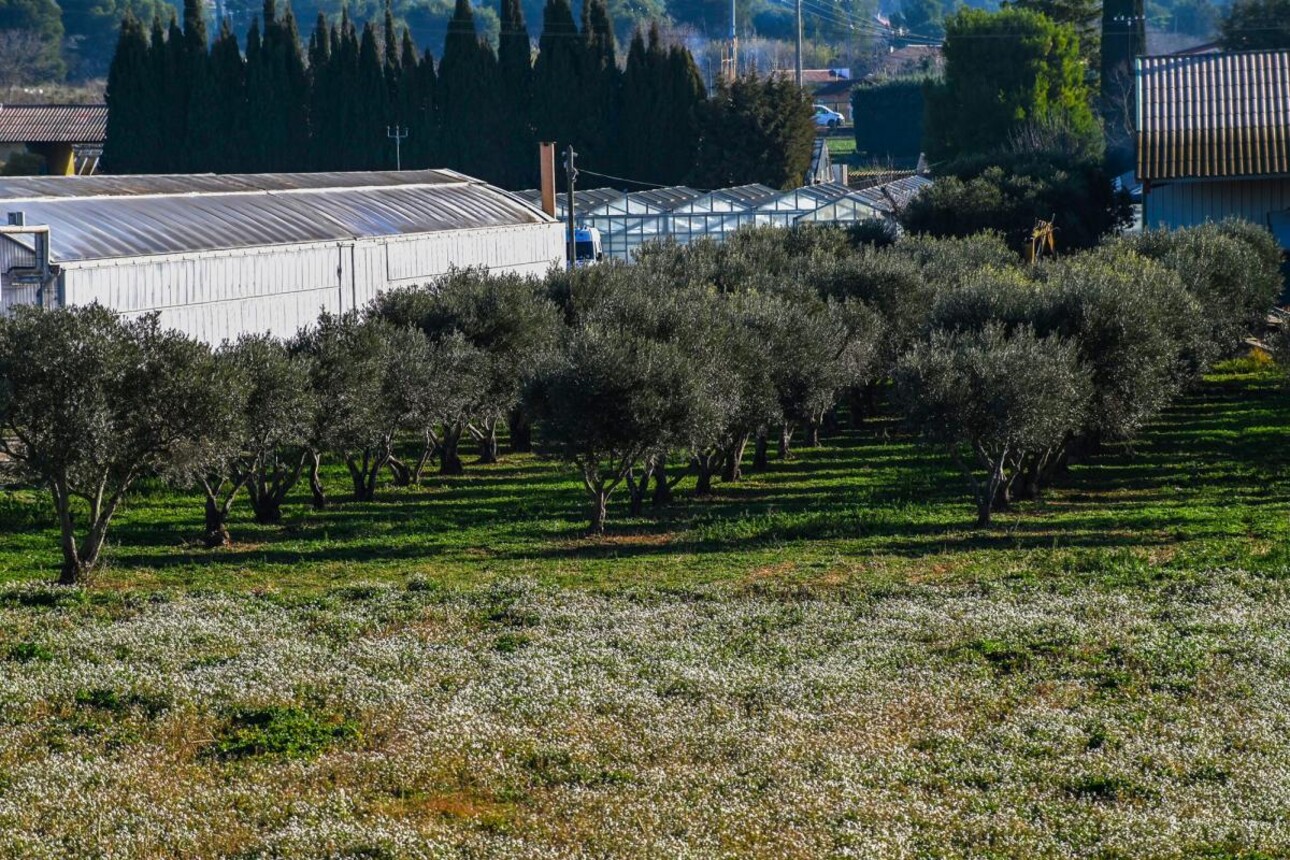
[827, 117]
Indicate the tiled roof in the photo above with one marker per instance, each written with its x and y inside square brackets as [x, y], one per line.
[52, 123]
[1214, 115]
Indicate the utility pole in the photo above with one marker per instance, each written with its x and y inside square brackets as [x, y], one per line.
[398, 135]
[799, 44]
[730, 55]
[571, 172]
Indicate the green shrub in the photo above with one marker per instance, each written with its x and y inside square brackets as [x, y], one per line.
[26, 652]
[288, 732]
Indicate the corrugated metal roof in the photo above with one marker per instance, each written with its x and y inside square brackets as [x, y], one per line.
[1214, 115]
[52, 123]
[214, 183]
[140, 219]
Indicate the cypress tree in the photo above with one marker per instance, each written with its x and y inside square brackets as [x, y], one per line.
[259, 101]
[468, 99]
[349, 145]
[324, 127]
[293, 94]
[683, 101]
[200, 138]
[642, 133]
[413, 102]
[131, 98]
[425, 146]
[596, 136]
[557, 81]
[515, 69]
[278, 94]
[228, 76]
[371, 109]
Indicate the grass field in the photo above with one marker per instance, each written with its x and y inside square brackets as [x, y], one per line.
[822, 660]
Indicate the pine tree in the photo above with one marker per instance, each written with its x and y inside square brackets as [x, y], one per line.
[515, 70]
[131, 96]
[468, 99]
[755, 130]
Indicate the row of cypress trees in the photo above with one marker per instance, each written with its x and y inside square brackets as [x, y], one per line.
[180, 102]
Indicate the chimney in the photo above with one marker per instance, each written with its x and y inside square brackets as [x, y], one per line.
[546, 158]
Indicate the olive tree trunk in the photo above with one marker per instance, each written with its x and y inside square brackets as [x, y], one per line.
[269, 481]
[760, 458]
[449, 458]
[220, 492]
[487, 439]
[316, 489]
[785, 441]
[732, 464]
[520, 426]
[81, 558]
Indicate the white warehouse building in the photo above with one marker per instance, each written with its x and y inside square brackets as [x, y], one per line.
[218, 256]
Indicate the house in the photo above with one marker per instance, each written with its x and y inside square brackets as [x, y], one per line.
[1213, 139]
[69, 137]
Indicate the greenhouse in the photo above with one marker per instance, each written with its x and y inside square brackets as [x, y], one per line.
[626, 220]
[221, 256]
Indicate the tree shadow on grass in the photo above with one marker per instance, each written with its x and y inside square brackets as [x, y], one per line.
[869, 491]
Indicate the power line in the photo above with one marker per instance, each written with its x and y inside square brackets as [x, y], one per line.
[623, 179]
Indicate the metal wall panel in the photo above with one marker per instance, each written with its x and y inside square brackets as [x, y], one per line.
[219, 295]
[1185, 204]
[15, 256]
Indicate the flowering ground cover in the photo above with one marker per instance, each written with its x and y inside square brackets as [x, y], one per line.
[824, 660]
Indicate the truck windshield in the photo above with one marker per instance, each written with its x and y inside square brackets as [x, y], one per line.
[585, 250]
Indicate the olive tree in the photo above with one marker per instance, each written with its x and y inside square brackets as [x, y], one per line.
[269, 410]
[989, 397]
[1232, 268]
[89, 404]
[367, 375]
[612, 397]
[814, 348]
[1138, 330]
[512, 326]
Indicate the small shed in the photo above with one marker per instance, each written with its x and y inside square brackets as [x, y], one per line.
[58, 133]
